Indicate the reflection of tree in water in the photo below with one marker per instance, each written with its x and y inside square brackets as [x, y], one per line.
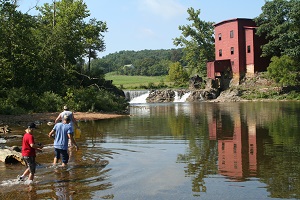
[202, 154]
[279, 150]
[279, 168]
[276, 138]
[201, 160]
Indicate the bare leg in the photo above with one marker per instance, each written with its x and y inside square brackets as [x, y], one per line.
[31, 176]
[26, 172]
[55, 161]
[64, 164]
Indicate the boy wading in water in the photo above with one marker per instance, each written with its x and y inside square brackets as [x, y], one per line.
[73, 121]
[28, 153]
[62, 132]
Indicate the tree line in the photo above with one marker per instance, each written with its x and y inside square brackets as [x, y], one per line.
[279, 23]
[139, 63]
[42, 60]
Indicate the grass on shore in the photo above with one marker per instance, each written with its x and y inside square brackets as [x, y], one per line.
[138, 82]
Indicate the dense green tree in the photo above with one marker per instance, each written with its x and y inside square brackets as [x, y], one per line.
[41, 58]
[284, 70]
[159, 69]
[197, 40]
[17, 47]
[94, 38]
[60, 36]
[178, 74]
[65, 37]
[99, 65]
[279, 23]
[142, 65]
[145, 62]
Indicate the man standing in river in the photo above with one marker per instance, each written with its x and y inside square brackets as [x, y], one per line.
[62, 132]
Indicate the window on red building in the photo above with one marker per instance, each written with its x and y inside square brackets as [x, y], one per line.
[220, 36]
[248, 49]
[231, 34]
[220, 52]
[232, 50]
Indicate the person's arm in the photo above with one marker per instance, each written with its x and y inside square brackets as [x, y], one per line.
[51, 133]
[73, 142]
[74, 121]
[57, 119]
[39, 147]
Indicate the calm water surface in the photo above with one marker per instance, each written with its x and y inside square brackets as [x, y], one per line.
[173, 151]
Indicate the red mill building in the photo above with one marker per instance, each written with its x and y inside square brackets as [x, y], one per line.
[237, 50]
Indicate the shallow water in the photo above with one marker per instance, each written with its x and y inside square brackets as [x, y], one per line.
[173, 151]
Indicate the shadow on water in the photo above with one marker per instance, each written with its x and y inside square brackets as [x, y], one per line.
[174, 151]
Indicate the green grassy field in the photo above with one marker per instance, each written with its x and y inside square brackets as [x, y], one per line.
[136, 82]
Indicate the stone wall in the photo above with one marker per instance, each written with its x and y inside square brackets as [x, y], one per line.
[168, 95]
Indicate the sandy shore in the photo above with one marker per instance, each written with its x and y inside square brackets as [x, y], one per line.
[47, 117]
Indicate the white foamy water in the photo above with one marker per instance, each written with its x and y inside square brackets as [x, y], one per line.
[183, 98]
[140, 99]
[2, 141]
[13, 182]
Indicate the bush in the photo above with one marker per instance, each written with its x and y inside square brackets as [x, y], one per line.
[284, 70]
[94, 100]
[6, 109]
[178, 74]
[19, 101]
[15, 101]
[49, 102]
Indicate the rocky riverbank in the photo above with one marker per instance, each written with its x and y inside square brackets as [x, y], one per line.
[254, 88]
[50, 117]
[170, 95]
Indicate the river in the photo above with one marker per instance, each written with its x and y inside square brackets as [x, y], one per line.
[237, 150]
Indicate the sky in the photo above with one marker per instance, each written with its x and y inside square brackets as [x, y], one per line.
[153, 24]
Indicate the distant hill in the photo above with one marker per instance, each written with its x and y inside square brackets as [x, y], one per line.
[142, 63]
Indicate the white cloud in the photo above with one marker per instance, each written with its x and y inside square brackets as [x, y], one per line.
[167, 9]
[147, 33]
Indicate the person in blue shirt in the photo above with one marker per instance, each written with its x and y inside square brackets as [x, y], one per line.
[62, 132]
[73, 121]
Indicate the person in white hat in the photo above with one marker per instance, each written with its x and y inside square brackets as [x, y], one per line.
[68, 113]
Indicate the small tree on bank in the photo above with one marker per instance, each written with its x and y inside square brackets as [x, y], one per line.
[197, 41]
[178, 74]
[284, 70]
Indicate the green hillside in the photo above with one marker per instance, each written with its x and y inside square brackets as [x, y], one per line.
[138, 82]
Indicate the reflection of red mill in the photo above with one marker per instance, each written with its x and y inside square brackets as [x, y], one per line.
[230, 152]
[252, 147]
[237, 151]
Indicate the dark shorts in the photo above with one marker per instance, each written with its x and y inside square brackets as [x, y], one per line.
[30, 163]
[64, 154]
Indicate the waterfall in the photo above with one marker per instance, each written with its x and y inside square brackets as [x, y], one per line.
[176, 98]
[136, 96]
[140, 96]
[182, 98]
[140, 99]
[131, 94]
